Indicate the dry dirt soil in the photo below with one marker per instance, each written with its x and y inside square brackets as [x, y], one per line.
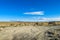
[24, 33]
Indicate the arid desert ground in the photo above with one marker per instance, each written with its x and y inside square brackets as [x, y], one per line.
[29, 32]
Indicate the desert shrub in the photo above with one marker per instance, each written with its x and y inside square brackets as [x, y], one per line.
[2, 26]
[11, 24]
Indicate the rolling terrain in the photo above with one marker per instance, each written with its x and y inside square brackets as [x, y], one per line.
[29, 30]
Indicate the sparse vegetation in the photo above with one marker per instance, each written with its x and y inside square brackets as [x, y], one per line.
[24, 31]
[29, 24]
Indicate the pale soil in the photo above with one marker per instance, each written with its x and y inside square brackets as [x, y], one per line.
[23, 33]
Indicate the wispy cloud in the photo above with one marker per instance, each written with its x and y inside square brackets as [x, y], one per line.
[35, 13]
[48, 19]
[39, 19]
[43, 19]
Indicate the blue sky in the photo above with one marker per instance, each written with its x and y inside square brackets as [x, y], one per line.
[29, 10]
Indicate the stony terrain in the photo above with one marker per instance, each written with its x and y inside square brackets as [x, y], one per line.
[29, 30]
[25, 32]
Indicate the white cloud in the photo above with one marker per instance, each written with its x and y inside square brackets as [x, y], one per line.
[43, 19]
[35, 13]
[40, 19]
[51, 19]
